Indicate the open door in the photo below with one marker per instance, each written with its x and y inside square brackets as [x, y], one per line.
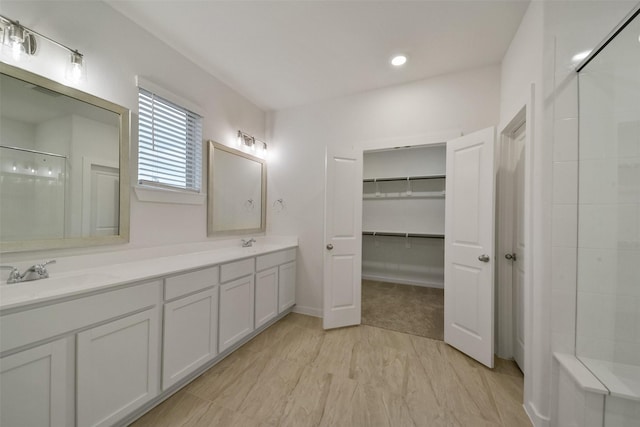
[469, 241]
[343, 238]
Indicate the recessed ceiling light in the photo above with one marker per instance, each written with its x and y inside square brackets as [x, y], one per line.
[398, 60]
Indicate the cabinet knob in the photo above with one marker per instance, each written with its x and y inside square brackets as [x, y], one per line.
[483, 258]
[329, 246]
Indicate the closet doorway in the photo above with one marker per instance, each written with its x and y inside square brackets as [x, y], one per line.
[403, 212]
[468, 203]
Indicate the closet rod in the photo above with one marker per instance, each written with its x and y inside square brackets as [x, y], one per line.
[405, 178]
[418, 235]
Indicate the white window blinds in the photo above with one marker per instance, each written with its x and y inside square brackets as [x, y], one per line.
[169, 143]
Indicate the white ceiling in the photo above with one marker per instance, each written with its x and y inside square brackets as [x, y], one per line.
[281, 54]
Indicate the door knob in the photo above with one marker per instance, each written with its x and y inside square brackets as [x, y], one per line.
[483, 258]
[511, 257]
[329, 246]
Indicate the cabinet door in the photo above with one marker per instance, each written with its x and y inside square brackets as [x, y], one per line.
[266, 296]
[236, 311]
[190, 335]
[287, 286]
[117, 366]
[33, 386]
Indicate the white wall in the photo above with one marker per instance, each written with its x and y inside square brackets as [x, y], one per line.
[116, 50]
[444, 105]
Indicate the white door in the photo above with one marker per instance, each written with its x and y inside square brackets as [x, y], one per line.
[518, 255]
[343, 238]
[105, 201]
[469, 241]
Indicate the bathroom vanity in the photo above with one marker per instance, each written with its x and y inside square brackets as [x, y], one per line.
[101, 346]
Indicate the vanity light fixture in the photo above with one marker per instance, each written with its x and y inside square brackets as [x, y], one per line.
[22, 41]
[250, 142]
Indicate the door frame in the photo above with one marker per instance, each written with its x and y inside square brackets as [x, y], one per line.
[504, 239]
[523, 113]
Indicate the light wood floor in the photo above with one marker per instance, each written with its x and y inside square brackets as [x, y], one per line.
[296, 374]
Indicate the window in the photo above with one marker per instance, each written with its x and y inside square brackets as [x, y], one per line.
[169, 143]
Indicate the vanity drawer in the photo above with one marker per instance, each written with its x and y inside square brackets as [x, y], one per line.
[30, 326]
[276, 258]
[191, 282]
[233, 270]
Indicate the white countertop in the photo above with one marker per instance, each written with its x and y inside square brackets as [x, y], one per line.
[72, 283]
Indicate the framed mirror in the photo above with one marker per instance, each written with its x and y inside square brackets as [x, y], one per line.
[237, 192]
[64, 165]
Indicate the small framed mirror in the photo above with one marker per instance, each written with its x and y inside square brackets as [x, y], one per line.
[64, 165]
[237, 192]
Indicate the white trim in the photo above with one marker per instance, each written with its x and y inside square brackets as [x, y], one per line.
[580, 374]
[528, 105]
[401, 281]
[504, 232]
[536, 418]
[309, 311]
[169, 96]
[146, 193]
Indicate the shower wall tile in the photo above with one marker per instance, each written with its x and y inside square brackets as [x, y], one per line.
[598, 181]
[621, 412]
[563, 269]
[566, 99]
[628, 273]
[564, 321]
[593, 348]
[596, 314]
[565, 176]
[598, 270]
[629, 139]
[564, 225]
[598, 226]
[565, 147]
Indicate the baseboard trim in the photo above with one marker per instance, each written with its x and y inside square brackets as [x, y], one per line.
[536, 418]
[309, 311]
[401, 281]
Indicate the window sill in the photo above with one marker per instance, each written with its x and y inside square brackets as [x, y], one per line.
[163, 195]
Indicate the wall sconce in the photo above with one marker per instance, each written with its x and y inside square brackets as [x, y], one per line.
[23, 42]
[250, 142]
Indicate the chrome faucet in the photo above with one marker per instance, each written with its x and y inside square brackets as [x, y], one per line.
[35, 272]
[248, 243]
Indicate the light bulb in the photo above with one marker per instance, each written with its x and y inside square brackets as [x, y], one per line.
[16, 38]
[76, 68]
[14, 168]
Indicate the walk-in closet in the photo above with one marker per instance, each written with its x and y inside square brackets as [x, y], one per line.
[403, 239]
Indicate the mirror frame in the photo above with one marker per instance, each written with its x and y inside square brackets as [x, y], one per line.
[210, 183]
[125, 120]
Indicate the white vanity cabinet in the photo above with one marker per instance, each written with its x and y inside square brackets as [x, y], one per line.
[277, 270]
[266, 296]
[104, 348]
[117, 365]
[236, 302]
[190, 337]
[105, 355]
[34, 385]
[287, 286]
